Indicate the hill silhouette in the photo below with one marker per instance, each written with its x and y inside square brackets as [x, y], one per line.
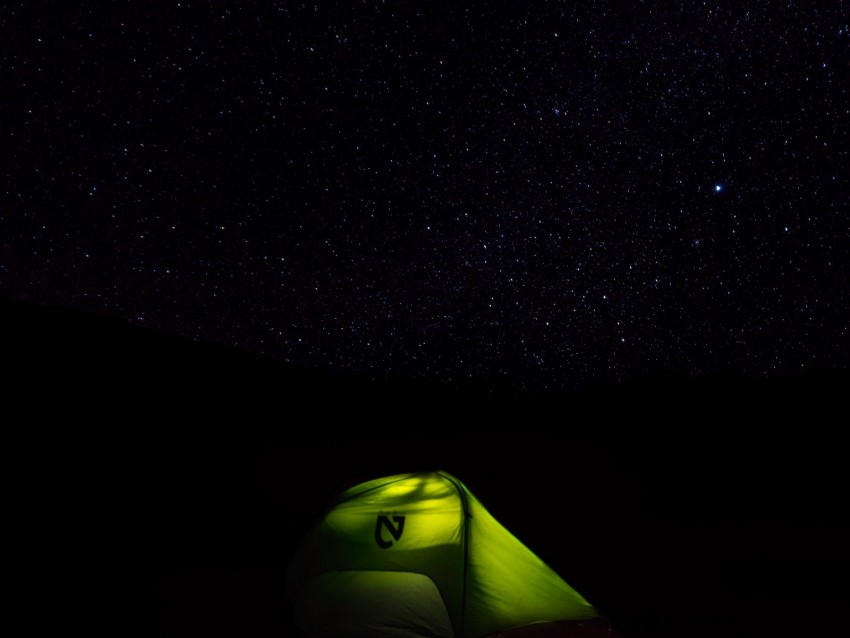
[103, 365]
[162, 483]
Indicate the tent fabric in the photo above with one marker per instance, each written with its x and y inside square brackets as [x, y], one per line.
[418, 555]
[379, 604]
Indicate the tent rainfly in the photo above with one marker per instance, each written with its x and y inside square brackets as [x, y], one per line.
[418, 556]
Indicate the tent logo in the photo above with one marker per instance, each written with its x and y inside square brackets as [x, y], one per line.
[395, 528]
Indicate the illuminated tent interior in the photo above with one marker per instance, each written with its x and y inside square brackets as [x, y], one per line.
[417, 555]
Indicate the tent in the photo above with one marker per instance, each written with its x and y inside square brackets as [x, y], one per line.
[418, 556]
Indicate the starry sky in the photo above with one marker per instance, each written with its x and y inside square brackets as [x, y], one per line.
[546, 192]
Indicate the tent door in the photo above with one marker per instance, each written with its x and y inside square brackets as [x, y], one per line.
[378, 604]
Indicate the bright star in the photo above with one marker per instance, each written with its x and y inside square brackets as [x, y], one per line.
[718, 188]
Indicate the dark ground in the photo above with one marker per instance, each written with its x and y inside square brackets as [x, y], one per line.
[160, 484]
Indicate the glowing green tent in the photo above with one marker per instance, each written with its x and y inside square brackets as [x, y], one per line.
[417, 555]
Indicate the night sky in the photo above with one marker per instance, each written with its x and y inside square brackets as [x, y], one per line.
[550, 193]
